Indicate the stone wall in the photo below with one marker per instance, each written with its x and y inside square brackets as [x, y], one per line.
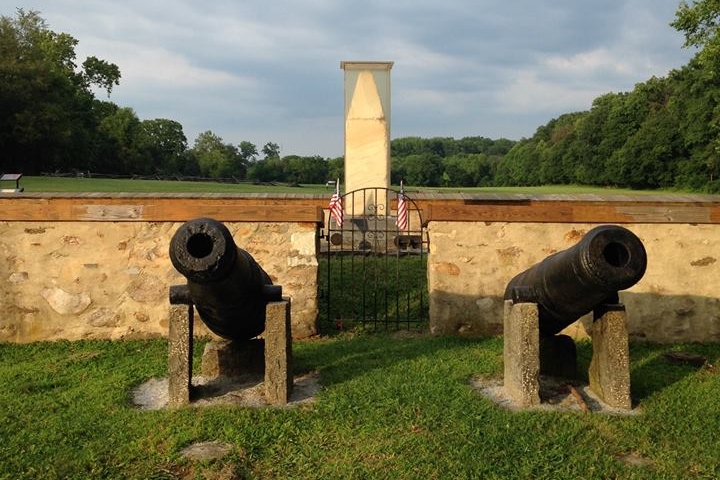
[109, 280]
[470, 264]
[76, 266]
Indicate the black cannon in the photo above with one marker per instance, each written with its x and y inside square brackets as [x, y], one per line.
[571, 283]
[229, 289]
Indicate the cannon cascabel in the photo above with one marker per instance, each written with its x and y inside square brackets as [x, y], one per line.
[573, 282]
[229, 289]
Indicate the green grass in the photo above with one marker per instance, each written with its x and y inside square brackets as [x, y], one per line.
[68, 184]
[552, 190]
[373, 293]
[396, 408]
[63, 184]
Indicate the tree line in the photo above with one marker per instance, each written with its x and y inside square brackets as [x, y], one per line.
[662, 134]
[665, 133]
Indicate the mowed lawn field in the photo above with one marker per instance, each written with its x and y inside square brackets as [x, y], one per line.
[74, 184]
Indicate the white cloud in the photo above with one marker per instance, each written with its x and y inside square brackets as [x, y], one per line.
[269, 71]
[527, 93]
[141, 65]
[588, 64]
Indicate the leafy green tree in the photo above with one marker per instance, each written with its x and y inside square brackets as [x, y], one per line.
[248, 151]
[312, 170]
[271, 150]
[647, 160]
[270, 169]
[101, 73]
[47, 108]
[700, 23]
[403, 147]
[336, 169]
[521, 165]
[422, 170]
[164, 142]
[467, 170]
[217, 159]
[119, 129]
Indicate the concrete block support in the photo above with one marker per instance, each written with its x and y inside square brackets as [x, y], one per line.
[225, 358]
[231, 358]
[180, 347]
[521, 353]
[609, 370]
[278, 353]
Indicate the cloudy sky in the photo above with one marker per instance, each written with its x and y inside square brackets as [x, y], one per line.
[269, 71]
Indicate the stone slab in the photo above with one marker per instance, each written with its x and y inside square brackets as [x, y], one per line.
[180, 347]
[521, 353]
[233, 358]
[609, 371]
[278, 352]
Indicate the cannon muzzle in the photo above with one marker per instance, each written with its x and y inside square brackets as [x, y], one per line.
[228, 287]
[571, 283]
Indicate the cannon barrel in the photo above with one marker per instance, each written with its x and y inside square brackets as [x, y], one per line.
[228, 287]
[573, 282]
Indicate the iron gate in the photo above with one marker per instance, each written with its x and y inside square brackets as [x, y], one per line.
[374, 273]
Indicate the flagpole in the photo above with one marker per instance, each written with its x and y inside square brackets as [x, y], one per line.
[402, 209]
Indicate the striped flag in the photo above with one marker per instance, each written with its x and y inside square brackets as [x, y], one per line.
[336, 206]
[402, 210]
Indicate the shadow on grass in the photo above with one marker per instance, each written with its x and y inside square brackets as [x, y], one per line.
[340, 359]
[650, 370]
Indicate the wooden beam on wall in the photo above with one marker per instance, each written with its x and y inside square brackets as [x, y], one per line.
[153, 209]
[309, 208]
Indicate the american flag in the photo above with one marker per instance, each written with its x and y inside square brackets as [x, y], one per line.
[402, 210]
[336, 206]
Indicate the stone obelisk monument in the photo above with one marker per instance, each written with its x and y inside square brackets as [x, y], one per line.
[367, 132]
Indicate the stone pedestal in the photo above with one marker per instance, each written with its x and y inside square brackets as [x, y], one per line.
[225, 358]
[180, 347]
[521, 353]
[278, 353]
[271, 354]
[609, 371]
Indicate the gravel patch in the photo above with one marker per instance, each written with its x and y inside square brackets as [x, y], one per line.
[246, 390]
[555, 395]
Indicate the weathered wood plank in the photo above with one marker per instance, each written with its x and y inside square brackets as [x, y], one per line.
[574, 212]
[465, 208]
[152, 209]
